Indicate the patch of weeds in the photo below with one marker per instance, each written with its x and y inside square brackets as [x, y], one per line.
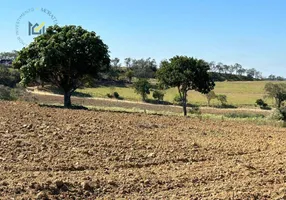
[243, 115]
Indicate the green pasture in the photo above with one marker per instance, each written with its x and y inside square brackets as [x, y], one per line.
[239, 93]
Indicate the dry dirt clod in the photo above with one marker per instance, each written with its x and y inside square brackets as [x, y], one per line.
[111, 182]
[86, 186]
[151, 155]
[59, 183]
[5, 183]
[42, 195]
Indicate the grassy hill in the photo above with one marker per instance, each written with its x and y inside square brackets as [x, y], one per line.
[239, 93]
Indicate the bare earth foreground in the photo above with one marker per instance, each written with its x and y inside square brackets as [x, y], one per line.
[49, 153]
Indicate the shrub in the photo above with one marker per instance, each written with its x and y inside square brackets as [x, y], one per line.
[158, 95]
[17, 93]
[9, 77]
[262, 104]
[5, 93]
[116, 95]
[109, 95]
[222, 98]
[195, 110]
[283, 112]
[276, 114]
[211, 95]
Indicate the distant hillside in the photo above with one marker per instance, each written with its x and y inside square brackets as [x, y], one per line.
[218, 77]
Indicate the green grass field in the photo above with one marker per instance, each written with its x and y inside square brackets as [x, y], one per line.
[239, 93]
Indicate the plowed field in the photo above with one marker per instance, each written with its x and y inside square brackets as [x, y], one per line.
[49, 153]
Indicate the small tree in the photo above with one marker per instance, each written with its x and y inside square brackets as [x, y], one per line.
[129, 75]
[64, 57]
[127, 62]
[114, 71]
[158, 95]
[186, 73]
[276, 91]
[222, 98]
[142, 87]
[210, 96]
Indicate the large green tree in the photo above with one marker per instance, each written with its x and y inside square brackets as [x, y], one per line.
[277, 92]
[65, 57]
[186, 73]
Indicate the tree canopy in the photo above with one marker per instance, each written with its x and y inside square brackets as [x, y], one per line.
[186, 73]
[65, 57]
[144, 68]
[276, 91]
[142, 87]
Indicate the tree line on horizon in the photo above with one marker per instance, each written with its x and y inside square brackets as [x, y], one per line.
[146, 68]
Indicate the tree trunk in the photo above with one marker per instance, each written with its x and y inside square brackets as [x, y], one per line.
[143, 97]
[185, 108]
[185, 103]
[67, 99]
[279, 103]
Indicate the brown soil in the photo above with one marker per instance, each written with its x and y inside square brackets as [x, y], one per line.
[49, 153]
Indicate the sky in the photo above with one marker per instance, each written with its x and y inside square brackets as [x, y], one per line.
[249, 32]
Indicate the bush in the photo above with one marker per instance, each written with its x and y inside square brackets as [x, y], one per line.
[195, 110]
[158, 95]
[17, 93]
[5, 93]
[109, 95]
[262, 104]
[211, 95]
[9, 77]
[222, 98]
[116, 95]
[283, 112]
[276, 114]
